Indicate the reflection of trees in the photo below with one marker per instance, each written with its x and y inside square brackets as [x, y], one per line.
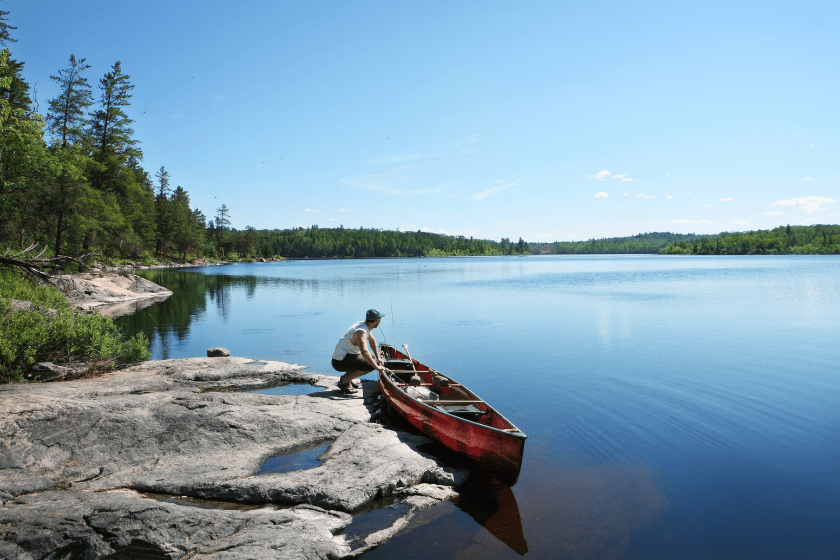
[172, 317]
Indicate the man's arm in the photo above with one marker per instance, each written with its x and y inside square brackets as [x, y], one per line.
[375, 347]
[363, 346]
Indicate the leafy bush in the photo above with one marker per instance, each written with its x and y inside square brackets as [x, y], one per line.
[37, 334]
[15, 286]
[146, 259]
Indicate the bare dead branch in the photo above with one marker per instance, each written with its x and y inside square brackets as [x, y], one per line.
[38, 269]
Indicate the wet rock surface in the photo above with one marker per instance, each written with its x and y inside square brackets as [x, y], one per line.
[76, 458]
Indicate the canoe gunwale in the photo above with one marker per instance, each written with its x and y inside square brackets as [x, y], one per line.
[505, 431]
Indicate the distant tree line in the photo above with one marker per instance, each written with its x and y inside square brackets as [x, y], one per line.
[316, 242]
[788, 240]
[641, 243]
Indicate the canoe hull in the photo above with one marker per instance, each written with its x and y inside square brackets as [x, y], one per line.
[492, 442]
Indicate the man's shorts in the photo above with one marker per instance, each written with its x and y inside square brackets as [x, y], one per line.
[351, 362]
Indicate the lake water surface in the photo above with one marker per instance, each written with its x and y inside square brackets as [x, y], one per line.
[676, 407]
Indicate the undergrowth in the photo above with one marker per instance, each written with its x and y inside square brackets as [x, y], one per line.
[37, 334]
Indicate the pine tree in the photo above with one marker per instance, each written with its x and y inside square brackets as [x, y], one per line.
[65, 122]
[110, 133]
[66, 116]
[222, 222]
[4, 29]
[164, 212]
[25, 165]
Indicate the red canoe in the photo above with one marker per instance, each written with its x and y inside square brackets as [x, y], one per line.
[457, 418]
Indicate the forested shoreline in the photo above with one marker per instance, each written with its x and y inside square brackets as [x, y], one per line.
[788, 240]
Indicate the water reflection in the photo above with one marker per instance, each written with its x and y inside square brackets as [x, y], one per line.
[170, 320]
[297, 458]
[493, 505]
[577, 513]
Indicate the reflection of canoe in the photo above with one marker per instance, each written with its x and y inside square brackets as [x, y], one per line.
[493, 505]
[457, 418]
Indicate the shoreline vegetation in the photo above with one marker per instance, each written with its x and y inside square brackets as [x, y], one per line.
[38, 324]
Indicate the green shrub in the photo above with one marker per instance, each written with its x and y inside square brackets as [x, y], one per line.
[146, 259]
[37, 334]
[15, 286]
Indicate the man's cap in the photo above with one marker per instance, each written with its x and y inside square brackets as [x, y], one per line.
[373, 315]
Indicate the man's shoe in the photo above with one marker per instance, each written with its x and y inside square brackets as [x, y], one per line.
[346, 388]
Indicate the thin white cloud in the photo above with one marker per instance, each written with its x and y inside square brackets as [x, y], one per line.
[657, 222]
[740, 223]
[772, 213]
[623, 178]
[311, 210]
[725, 199]
[600, 176]
[669, 196]
[348, 210]
[602, 195]
[806, 221]
[810, 204]
[393, 181]
[645, 196]
[684, 222]
[493, 190]
[807, 179]
[626, 194]
[708, 206]
[488, 192]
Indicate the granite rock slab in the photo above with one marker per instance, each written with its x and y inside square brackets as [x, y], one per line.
[91, 448]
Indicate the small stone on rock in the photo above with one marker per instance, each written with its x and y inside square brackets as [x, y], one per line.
[218, 353]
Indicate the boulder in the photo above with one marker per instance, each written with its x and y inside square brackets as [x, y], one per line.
[218, 352]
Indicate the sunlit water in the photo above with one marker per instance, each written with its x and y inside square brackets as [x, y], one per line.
[676, 407]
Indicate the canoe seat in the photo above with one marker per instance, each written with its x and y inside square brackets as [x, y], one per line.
[465, 411]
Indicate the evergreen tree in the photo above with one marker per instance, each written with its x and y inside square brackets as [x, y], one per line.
[222, 222]
[65, 119]
[4, 29]
[164, 213]
[65, 122]
[25, 165]
[110, 133]
[16, 92]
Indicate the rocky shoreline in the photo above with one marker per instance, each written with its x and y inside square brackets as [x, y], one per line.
[111, 294]
[80, 462]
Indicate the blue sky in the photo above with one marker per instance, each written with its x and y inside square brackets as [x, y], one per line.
[545, 120]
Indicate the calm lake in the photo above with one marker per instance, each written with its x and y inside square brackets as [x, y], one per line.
[676, 407]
